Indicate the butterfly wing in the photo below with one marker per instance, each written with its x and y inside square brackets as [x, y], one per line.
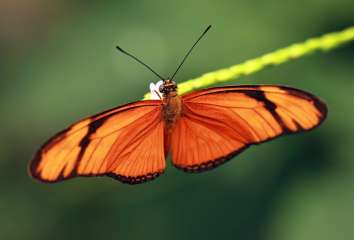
[218, 123]
[125, 143]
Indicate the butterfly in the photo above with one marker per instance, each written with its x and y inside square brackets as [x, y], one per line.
[200, 130]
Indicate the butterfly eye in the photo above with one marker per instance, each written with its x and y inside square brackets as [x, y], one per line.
[162, 89]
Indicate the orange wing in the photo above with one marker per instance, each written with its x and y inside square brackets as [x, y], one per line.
[218, 123]
[125, 143]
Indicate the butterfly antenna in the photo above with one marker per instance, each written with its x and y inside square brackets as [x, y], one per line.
[139, 61]
[190, 50]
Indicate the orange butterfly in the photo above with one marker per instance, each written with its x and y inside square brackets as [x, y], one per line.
[201, 130]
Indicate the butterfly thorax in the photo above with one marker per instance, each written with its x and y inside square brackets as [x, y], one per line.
[172, 104]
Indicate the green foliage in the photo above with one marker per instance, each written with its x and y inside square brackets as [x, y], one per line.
[59, 64]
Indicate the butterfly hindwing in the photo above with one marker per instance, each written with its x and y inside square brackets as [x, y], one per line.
[218, 123]
[125, 143]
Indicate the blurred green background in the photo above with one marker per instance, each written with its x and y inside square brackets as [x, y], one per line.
[58, 64]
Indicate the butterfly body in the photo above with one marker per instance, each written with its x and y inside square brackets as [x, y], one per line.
[172, 103]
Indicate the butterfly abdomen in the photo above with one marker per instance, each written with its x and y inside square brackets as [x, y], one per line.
[171, 111]
[172, 108]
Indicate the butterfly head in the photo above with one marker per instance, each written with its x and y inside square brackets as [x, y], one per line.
[168, 87]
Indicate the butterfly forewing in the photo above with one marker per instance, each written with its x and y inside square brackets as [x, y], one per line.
[218, 123]
[125, 143]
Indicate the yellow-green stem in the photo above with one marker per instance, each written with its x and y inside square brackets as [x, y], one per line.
[323, 43]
